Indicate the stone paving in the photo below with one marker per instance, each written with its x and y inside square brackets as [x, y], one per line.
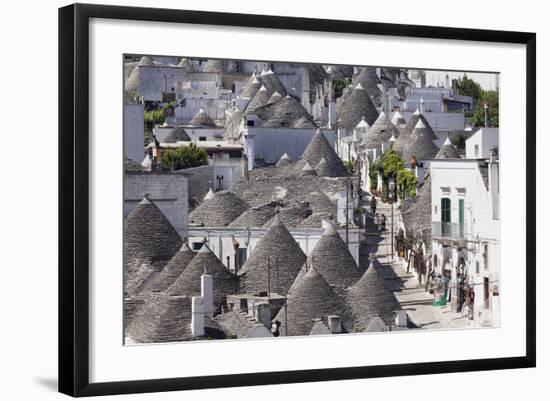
[412, 297]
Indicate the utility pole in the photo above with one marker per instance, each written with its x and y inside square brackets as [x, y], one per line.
[347, 211]
[392, 194]
[485, 107]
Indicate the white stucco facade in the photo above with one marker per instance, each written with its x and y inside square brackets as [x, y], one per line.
[468, 229]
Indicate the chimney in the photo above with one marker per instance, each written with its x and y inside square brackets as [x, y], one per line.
[335, 324]
[401, 318]
[263, 314]
[244, 165]
[197, 316]
[207, 293]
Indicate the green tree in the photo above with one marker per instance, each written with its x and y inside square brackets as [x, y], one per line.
[373, 175]
[406, 183]
[467, 87]
[459, 141]
[339, 84]
[184, 157]
[391, 164]
[489, 98]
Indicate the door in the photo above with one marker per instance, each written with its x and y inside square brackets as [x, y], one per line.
[445, 216]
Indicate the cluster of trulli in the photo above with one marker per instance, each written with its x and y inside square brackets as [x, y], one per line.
[295, 191]
[326, 286]
[270, 101]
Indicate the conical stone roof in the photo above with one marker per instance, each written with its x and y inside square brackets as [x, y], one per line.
[274, 98]
[131, 306]
[307, 170]
[380, 132]
[132, 83]
[189, 281]
[303, 122]
[285, 159]
[163, 318]
[318, 149]
[218, 211]
[178, 134]
[286, 113]
[202, 119]
[356, 106]
[320, 203]
[173, 269]
[255, 216]
[370, 297]
[447, 151]
[291, 216]
[369, 80]
[333, 260]
[405, 133]
[285, 260]
[273, 84]
[252, 87]
[420, 144]
[398, 119]
[260, 99]
[311, 298]
[148, 236]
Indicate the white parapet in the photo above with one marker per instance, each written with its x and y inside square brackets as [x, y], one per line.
[197, 317]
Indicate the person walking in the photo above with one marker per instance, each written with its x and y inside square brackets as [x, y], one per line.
[373, 205]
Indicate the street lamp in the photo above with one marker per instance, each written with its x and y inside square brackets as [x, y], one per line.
[391, 187]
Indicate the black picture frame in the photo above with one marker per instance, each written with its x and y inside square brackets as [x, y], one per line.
[74, 201]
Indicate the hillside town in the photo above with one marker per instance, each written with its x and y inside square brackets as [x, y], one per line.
[272, 199]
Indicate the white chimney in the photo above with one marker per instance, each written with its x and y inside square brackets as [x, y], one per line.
[207, 293]
[401, 318]
[197, 316]
[335, 324]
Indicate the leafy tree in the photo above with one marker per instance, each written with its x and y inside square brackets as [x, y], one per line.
[184, 157]
[459, 141]
[468, 87]
[391, 164]
[406, 183]
[373, 175]
[489, 98]
[339, 84]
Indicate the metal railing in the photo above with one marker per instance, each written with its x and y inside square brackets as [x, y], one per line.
[449, 230]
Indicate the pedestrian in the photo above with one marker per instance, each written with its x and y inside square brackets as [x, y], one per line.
[471, 301]
[373, 205]
[383, 223]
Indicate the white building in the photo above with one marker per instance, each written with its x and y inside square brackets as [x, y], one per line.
[221, 240]
[466, 230]
[481, 143]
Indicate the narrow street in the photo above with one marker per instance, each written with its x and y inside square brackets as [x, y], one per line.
[411, 296]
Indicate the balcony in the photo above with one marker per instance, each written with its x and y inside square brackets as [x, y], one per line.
[451, 231]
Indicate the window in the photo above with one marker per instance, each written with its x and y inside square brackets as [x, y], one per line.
[477, 266]
[476, 151]
[250, 123]
[445, 216]
[242, 256]
[202, 138]
[197, 246]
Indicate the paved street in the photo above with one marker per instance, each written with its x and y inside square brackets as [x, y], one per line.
[412, 297]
